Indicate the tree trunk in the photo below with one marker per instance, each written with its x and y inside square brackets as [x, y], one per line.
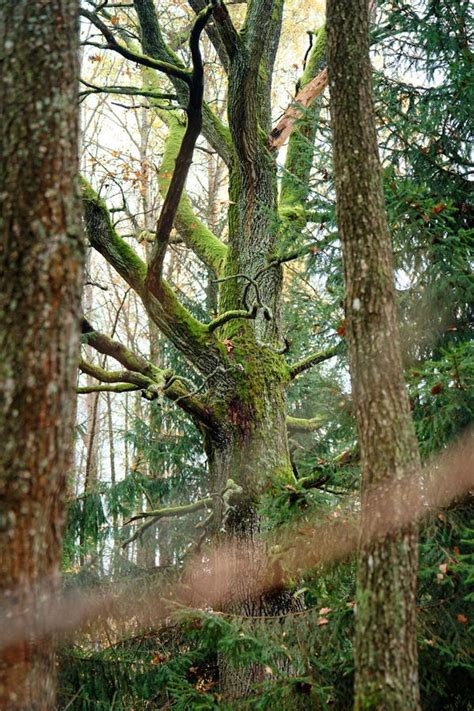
[386, 647]
[41, 263]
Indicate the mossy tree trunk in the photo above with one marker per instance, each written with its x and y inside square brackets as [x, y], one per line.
[386, 645]
[41, 264]
[241, 405]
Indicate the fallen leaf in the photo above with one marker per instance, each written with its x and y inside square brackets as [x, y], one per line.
[229, 346]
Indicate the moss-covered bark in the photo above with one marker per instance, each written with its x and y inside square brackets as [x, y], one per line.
[41, 262]
[239, 352]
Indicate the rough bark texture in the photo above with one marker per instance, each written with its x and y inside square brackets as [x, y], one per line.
[385, 649]
[41, 258]
[241, 407]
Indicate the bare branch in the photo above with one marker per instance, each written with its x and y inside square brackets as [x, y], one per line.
[167, 68]
[295, 111]
[125, 91]
[184, 157]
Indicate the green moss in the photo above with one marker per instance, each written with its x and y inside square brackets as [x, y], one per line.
[195, 233]
[315, 58]
[180, 316]
[106, 240]
[261, 371]
[294, 190]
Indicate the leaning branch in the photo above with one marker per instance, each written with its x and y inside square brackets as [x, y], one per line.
[115, 376]
[172, 511]
[314, 359]
[300, 424]
[184, 157]
[230, 489]
[295, 111]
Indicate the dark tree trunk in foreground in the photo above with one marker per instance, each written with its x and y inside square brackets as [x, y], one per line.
[41, 260]
[386, 649]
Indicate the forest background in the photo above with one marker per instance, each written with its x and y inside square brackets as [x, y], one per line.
[150, 486]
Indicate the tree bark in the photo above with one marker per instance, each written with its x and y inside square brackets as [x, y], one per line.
[385, 646]
[41, 264]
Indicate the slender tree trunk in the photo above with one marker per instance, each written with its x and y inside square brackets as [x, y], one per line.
[385, 648]
[41, 263]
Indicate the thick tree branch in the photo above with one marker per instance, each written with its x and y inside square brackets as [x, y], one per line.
[133, 362]
[115, 376]
[154, 45]
[314, 359]
[188, 335]
[220, 31]
[184, 157]
[300, 424]
[143, 375]
[196, 235]
[119, 388]
[256, 30]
